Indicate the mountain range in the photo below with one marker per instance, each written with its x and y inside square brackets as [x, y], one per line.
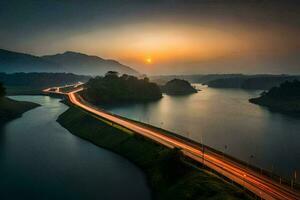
[72, 62]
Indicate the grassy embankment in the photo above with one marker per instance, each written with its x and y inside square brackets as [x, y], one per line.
[170, 174]
[11, 109]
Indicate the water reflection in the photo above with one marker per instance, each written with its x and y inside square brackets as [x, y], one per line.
[41, 160]
[224, 117]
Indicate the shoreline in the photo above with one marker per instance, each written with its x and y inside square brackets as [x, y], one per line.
[11, 109]
[155, 160]
[275, 106]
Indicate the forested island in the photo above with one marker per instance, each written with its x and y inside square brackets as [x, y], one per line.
[113, 88]
[11, 109]
[284, 98]
[178, 87]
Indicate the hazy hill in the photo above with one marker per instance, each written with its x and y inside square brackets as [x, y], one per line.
[33, 83]
[84, 64]
[195, 78]
[260, 82]
[70, 62]
[19, 62]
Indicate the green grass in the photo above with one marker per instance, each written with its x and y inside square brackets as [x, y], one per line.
[10, 109]
[170, 174]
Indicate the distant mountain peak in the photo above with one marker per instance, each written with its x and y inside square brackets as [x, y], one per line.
[69, 61]
[11, 62]
[94, 65]
[67, 53]
[73, 53]
[78, 54]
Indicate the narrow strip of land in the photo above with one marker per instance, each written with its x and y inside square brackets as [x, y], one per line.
[255, 182]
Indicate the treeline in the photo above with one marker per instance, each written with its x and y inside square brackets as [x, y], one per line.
[113, 88]
[284, 98]
[286, 90]
[196, 78]
[2, 90]
[256, 82]
[40, 79]
[243, 81]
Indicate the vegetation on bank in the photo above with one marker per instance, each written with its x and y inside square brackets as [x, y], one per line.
[178, 87]
[284, 98]
[10, 109]
[113, 88]
[170, 174]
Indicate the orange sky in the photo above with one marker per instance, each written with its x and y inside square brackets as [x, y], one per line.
[169, 44]
[179, 36]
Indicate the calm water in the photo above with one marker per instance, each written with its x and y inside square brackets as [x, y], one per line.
[41, 160]
[222, 117]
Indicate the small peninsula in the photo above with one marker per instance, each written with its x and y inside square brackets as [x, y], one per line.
[178, 87]
[113, 88]
[11, 109]
[285, 98]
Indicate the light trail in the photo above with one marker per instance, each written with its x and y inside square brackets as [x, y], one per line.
[261, 185]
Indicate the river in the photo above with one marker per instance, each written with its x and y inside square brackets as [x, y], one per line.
[41, 160]
[225, 120]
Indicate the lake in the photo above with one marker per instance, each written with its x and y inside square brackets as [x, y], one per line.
[224, 117]
[39, 159]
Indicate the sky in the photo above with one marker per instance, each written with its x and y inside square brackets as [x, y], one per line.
[161, 36]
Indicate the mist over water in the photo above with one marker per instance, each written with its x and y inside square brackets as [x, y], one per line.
[220, 117]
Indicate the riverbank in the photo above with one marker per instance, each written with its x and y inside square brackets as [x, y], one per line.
[288, 107]
[170, 174]
[284, 98]
[11, 109]
[42, 160]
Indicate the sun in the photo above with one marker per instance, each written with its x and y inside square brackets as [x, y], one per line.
[149, 60]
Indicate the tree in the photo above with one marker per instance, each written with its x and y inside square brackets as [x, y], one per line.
[125, 88]
[2, 90]
[287, 90]
[112, 73]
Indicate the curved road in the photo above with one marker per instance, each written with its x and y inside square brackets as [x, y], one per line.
[261, 185]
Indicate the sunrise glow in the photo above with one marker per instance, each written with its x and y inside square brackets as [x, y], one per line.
[149, 60]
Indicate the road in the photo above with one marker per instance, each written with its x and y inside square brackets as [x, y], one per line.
[261, 185]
